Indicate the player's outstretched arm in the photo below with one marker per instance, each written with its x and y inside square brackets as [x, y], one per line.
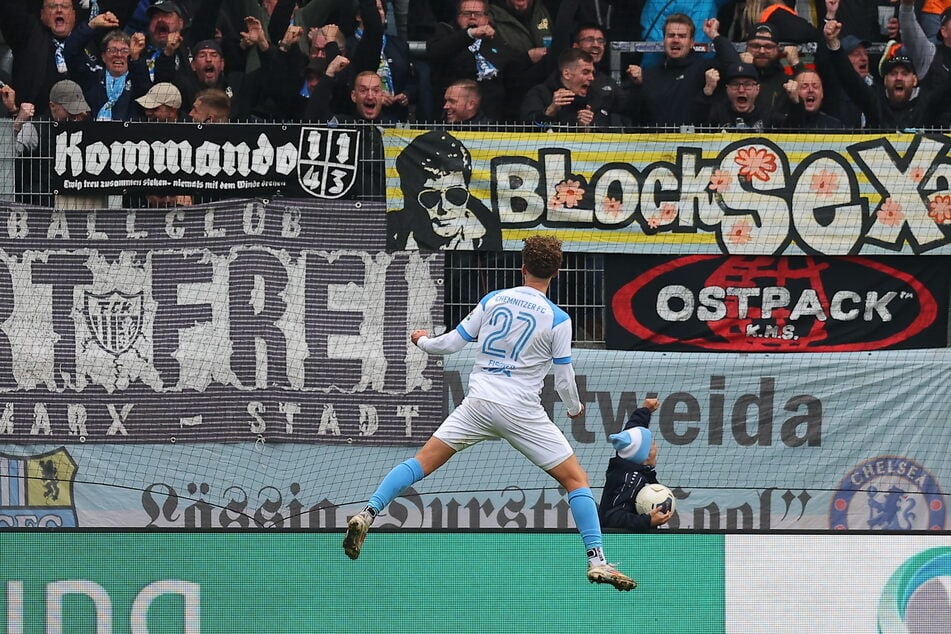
[447, 343]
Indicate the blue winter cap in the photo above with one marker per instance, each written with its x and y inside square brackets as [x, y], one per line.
[632, 444]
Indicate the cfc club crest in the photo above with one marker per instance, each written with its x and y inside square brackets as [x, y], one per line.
[115, 319]
[327, 161]
[37, 491]
[888, 493]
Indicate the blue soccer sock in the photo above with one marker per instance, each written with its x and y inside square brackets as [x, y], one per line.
[405, 474]
[584, 510]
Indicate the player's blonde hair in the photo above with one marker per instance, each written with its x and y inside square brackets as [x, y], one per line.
[542, 255]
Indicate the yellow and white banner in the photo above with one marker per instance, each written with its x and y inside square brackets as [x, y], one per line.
[775, 194]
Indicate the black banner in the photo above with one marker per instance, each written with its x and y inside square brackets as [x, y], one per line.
[231, 160]
[284, 321]
[776, 304]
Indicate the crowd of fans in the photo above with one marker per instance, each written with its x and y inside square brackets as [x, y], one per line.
[541, 62]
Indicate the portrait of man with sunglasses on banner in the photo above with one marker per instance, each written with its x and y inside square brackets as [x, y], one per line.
[439, 212]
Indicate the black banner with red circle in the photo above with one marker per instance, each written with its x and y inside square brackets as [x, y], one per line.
[776, 303]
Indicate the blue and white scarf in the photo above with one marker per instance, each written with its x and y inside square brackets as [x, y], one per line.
[114, 88]
[484, 68]
[58, 56]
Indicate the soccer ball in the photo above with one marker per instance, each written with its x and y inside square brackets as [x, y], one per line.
[652, 496]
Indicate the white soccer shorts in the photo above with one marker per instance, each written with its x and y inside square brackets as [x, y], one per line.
[531, 432]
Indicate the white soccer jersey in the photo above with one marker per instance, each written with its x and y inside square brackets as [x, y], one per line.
[519, 333]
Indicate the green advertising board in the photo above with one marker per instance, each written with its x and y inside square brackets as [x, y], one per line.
[231, 582]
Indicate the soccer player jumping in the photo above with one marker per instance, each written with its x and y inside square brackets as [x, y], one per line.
[520, 334]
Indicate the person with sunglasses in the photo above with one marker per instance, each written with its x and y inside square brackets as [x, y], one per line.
[439, 212]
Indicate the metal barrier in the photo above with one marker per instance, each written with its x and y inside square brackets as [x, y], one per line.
[25, 179]
[578, 288]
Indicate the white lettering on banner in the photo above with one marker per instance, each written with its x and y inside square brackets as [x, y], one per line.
[114, 311]
[676, 302]
[756, 194]
[208, 159]
[256, 219]
[57, 592]
[172, 157]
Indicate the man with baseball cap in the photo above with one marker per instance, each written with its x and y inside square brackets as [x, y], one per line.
[162, 103]
[857, 51]
[35, 145]
[764, 54]
[900, 103]
[166, 22]
[206, 70]
[838, 103]
[932, 61]
[67, 102]
[736, 107]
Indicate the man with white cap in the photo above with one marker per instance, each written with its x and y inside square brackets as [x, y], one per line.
[629, 471]
[162, 103]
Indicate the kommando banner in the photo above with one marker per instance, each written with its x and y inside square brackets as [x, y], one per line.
[724, 193]
[227, 160]
[280, 320]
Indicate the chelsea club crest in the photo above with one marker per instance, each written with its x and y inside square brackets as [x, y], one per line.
[888, 493]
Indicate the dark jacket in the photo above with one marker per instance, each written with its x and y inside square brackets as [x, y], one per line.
[920, 111]
[799, 119]
[521, 33]
[93, 83]
[772, 90]
[33, 48]
[721, 115]
[601, 102]
[790, 27]
[623, 481]
[448, 52]
[670, 90]
[939, 72]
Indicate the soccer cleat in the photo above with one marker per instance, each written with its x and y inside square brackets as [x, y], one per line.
[607, 573]
[357, 529]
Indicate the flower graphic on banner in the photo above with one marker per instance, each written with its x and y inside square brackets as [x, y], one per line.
[890, 213]
[824, 183]
[916, 174]
[720, 181]
[612, 206]
[740, 232]
[668, 213]
[756, 163]
[939, 209]
[567, 193]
